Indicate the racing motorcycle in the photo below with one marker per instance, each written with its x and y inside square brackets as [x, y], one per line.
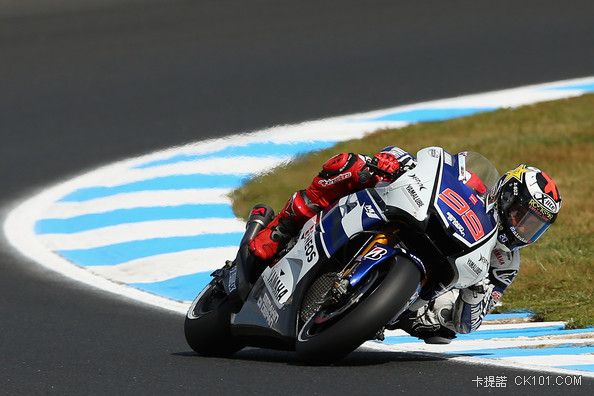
[355, 267]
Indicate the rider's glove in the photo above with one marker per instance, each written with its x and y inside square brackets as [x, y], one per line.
[388, 163]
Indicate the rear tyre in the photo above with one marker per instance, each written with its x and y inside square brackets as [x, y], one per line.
[385, 297]
[207, 325]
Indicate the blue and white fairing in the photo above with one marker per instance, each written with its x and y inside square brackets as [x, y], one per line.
[437, 185]
[349, 216]
[460, 206]
[433, 186]
[321, 237]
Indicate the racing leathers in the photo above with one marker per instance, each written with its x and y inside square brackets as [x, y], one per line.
[462, 311]
[449, 312]
[340, 175]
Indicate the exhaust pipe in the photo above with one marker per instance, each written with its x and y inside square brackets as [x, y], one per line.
[247, 269]
[259, 218]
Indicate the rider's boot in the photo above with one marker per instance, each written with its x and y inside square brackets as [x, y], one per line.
[268, 242]
[236, 277]
[424, 325]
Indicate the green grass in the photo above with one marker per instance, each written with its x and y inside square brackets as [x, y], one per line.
[555, 279]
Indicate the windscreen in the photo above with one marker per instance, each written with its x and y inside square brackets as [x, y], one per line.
[478, 165]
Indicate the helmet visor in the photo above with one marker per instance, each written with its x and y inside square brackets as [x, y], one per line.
[527, 222]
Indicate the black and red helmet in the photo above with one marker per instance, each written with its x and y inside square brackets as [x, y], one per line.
[528, 202]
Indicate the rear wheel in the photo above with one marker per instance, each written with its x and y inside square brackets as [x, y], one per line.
[336, 330]
[207, 325]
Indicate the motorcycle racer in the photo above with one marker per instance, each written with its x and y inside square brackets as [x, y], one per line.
[526, 202]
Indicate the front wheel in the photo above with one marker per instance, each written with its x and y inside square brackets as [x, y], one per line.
[207, 325]
[333, 332]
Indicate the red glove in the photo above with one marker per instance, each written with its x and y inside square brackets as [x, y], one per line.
[387, 162]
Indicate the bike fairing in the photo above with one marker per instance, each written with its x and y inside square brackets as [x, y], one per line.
[364, 210]
[439, 185]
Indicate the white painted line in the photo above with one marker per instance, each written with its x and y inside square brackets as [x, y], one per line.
[508, 99]
[520, 325]
[551, 360]
[139, 231]
[370, 345]
[166, 266]
[231, 165]
[327, 129]
[491, 343]
[513, 97]
[141, 199]
[488, 327]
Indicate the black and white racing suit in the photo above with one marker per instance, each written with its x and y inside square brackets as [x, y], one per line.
[463, 310]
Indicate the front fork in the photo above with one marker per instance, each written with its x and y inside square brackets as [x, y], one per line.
[376, 251]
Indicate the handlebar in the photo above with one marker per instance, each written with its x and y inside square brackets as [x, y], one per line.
[372, 165]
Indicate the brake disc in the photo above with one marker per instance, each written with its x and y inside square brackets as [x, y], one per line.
[316, 295]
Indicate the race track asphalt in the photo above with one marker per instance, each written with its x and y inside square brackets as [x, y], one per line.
[82, 87]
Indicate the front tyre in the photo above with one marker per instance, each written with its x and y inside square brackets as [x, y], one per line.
[207, 325]
[385, 297]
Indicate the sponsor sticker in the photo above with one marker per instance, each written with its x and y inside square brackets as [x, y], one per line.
[370, 212]
[517, 174]
[540, 210]
[232, 278]
[472, 265]
[484, 260]
[455, 223]
[546, 201]
[335, 179]
[376, 253]
[267, 309]
[413, 194]
[276, 285]
[418, 181]
[310, 246]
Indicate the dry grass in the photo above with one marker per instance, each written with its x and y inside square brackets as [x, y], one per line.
[556, 276]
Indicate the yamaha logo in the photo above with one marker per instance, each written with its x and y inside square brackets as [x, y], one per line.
[411, 191]
[370, 212]
[277, 287]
